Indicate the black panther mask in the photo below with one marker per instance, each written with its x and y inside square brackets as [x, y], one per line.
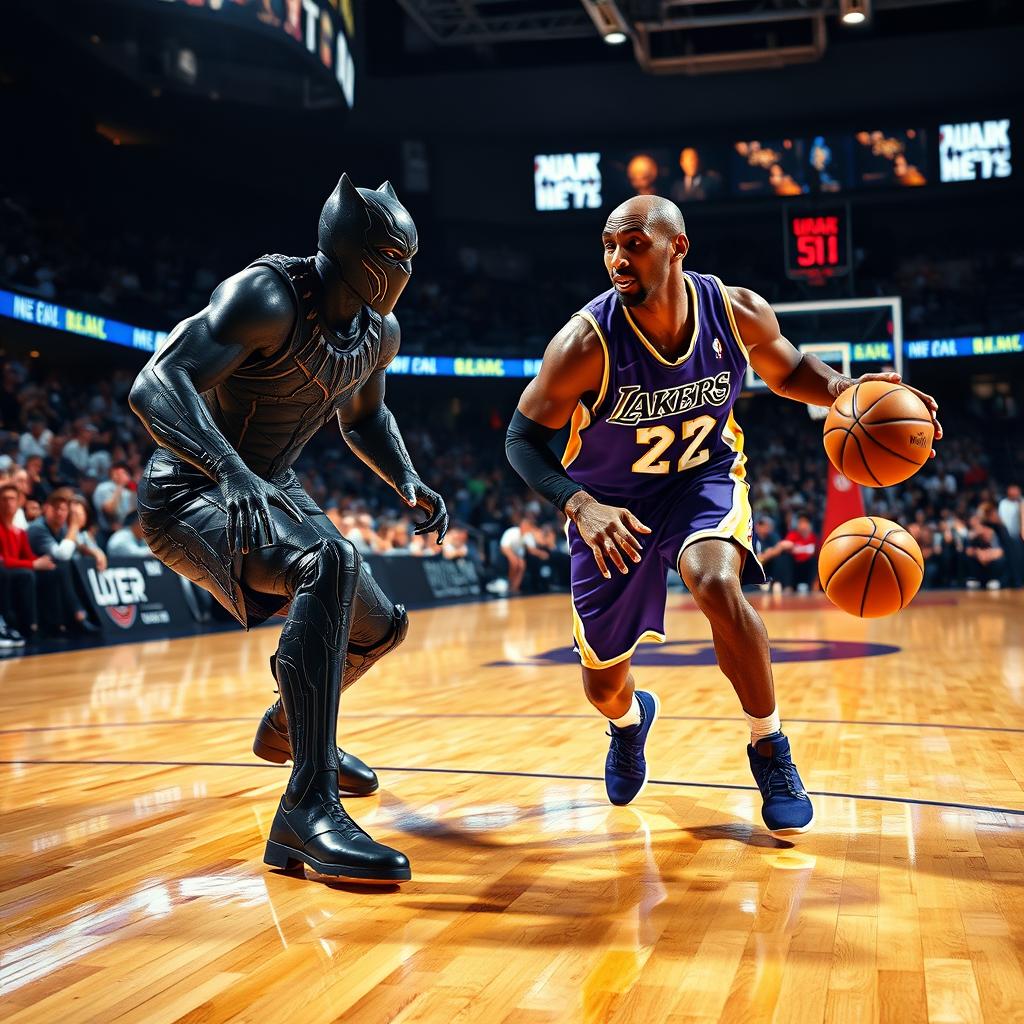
[370, 237]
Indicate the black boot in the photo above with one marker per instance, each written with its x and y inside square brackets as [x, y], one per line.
[317, 831]
[355, 778]
[272, 744]
[310, 826]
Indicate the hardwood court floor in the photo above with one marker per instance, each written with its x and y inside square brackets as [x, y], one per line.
[134, 818]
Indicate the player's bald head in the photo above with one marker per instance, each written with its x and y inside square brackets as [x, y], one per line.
[651, 214]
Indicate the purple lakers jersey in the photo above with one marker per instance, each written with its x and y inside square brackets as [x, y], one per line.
[657, 423]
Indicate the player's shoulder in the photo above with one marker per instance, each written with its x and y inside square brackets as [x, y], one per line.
[256, 301]
[577, 341]
[746, 301]
[754, 315]
[390, 338]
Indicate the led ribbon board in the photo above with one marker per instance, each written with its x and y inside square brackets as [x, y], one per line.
[41, 313]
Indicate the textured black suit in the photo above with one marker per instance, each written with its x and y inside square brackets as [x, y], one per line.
[232, 398]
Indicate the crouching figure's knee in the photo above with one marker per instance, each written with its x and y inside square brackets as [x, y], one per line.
[360, 660]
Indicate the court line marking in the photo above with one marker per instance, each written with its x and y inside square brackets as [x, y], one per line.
[540, 775]
[483, 714]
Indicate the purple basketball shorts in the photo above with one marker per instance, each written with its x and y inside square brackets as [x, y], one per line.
[612, 616]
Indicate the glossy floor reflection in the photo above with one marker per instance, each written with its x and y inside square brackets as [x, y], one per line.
[134, 818]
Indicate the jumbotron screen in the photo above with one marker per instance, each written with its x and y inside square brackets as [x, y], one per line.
[323, 28]
[821, 163]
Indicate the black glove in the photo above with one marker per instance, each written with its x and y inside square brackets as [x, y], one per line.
[248, 498]
[417, 494]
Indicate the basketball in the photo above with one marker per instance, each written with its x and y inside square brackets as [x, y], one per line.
[870, 567]
[878, 434]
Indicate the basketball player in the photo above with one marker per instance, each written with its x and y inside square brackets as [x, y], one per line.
[231, 399]
[653, 477]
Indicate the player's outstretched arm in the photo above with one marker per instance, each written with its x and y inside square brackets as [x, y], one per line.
[571, 372]
[250, 312]
[370, 430]
[791, 373]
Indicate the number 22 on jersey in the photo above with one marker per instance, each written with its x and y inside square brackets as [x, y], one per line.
[660, 438]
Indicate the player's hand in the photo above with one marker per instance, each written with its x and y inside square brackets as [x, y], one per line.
[416, 494]
[930, 403]
[610, 533]
[248, 498]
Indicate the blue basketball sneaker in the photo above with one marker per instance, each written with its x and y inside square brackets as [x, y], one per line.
[787, 808]
[625, 768]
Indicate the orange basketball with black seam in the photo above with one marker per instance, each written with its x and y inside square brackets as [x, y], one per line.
[870, 567]
[878, 434]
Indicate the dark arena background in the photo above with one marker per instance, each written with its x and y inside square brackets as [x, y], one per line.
[860, 165]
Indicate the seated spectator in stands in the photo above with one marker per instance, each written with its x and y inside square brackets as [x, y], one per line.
[552, 542]
[368, 532]
[56, 533]
[516, 542]
[76, 451]
[422, 546]
[986, 560]
[927, 540]
[455, 543]
[18, 595]
[395, 537]
[773, 553]
[36, 440]
[804, 549]
[952, 539]
[88, 545]
[360, 532]
[128, 542]
[115, 498]
[20, 478]
[345, 522]
[1011, 512]
[36, 488]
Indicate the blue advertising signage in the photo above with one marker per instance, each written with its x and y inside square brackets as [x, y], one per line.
[91, 325]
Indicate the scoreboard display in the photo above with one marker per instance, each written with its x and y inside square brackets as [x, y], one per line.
[324, 29]
[817, 243]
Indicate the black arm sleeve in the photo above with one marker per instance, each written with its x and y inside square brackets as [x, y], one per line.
[377, 440]
[528, 451]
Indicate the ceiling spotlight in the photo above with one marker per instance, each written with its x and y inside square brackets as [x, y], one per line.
[608, 20]
[854, 12]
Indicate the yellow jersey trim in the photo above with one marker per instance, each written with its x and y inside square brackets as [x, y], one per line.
[589, 317]
[693, 340]
[730, 313]
[737, 524]
[588, 656]
[582, 416]
[574, 445]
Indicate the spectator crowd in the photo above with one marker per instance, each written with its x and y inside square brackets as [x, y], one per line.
[471, 299]
[71, 453]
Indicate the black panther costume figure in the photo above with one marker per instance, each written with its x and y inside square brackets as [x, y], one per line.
[231, 399]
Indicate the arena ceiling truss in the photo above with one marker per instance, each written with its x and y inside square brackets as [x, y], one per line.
[668, 36]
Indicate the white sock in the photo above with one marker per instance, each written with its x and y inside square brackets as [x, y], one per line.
[631, 717]
[761, 727]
